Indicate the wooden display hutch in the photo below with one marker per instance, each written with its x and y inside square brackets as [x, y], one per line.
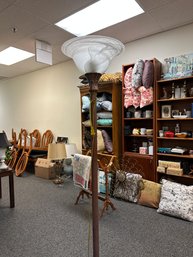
[114, 89]
[131, 142]
[165, 97]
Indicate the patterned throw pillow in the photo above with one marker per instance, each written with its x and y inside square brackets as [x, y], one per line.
[104, 122]
[150, 194]
[127, 186]
[176, 200]
[146, 96]
[147, 78]
[106, 105]
[137, 73]
[108, 141]
[100, 141]
[104, 115]
[85, 103]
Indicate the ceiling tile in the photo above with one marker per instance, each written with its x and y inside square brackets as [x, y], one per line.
[174, 14]
[53, 11]
[132, 29]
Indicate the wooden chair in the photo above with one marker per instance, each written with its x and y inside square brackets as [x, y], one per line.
[105, 162]
[23, 157]
[35, 134]
[47, 138]
[32, 151]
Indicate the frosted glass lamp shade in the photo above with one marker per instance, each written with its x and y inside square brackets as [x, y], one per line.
[92, 53]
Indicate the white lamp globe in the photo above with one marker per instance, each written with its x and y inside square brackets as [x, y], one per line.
[92, 53]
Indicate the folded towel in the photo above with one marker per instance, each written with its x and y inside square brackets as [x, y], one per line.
[81, 170]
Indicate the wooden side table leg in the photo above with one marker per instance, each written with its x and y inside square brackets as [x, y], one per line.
[0, 189]
[11, 191]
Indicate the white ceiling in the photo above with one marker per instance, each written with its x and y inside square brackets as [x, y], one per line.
[34, 19]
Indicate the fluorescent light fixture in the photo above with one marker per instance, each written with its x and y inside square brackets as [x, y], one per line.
[13, 55]
[100, 15]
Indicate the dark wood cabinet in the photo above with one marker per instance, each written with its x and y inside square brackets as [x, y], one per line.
[113, 89]
[178, 111]
[138, 118]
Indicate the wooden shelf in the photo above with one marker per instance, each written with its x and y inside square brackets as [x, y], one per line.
[138, 119]
[146, 162]
[175, 119]
[174, 79]
[146, 136]
[183, 156]
[175, 99]
[183, 176]
[175, 138]
[132, 154]
[114, 89]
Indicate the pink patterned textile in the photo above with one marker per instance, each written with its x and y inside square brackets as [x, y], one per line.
[81, 170]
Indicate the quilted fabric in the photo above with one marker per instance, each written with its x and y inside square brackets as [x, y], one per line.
[104, 115]
[127, 188]
[176, 200]
[147, 77]
[137, 73]
[104, 122]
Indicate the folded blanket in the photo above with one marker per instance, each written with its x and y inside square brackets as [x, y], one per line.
[81, 170]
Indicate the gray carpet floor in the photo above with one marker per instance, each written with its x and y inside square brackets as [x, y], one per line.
[46, 223]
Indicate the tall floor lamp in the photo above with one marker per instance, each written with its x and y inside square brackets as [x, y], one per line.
[92, 55]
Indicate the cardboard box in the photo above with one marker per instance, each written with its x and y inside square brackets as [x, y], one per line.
[44, 168]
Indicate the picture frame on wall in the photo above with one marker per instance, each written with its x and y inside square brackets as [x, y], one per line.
[62, 140]
[166, 111]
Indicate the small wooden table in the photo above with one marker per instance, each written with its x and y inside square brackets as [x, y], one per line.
[4, 173]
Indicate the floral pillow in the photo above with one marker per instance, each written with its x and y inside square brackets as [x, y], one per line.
[128, 97]
[146, 96]
[176, 200]
[136, 98]
[127, 186]
[128, 78]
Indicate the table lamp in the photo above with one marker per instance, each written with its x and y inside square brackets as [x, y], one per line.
[4, 143]
[92, 55]
[57, 153]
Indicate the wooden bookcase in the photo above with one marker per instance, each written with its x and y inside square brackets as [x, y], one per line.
[114, 89]
[131, 142]
[174, 105]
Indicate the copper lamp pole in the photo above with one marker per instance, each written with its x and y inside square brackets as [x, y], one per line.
[93, 79]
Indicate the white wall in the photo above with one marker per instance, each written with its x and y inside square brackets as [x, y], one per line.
[49, 98]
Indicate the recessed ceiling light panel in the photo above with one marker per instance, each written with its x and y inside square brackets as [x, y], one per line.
[100, 15]
[13, 55]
